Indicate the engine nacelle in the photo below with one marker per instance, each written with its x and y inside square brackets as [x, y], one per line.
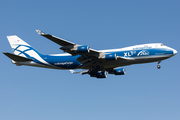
[82, 49]
[101, 74]
[98, 74]
[111, 56]
[118, 71]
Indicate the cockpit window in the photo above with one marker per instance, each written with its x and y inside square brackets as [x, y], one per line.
[162, 45]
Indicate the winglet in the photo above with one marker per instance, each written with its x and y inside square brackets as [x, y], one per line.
[40, 32]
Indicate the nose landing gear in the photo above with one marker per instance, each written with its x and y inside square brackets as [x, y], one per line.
[159, 66]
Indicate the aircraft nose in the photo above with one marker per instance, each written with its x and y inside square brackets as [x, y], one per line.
[175, 52]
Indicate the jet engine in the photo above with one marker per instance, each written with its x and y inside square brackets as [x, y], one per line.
[82, 49]
[112, 56]
[98, 74]
[101, 74]
[117, 71]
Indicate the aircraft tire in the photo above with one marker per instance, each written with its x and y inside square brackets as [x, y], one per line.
[158, 66]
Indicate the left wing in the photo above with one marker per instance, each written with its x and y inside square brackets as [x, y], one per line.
[83, 72]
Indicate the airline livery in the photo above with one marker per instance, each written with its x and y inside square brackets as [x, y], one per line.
[96, 63]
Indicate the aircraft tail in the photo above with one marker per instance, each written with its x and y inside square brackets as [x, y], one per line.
[21, 48]
[16, 57]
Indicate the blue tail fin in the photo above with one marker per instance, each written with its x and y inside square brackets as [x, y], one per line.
[21, 48]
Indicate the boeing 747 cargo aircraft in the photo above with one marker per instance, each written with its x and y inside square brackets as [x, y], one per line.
[96, 63]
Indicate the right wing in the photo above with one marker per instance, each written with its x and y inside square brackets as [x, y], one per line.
[67, 46]
[56, 39]
[87, 58]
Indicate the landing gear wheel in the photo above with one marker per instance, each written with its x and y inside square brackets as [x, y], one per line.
[158, 66]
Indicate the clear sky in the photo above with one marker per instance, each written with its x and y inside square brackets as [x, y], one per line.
[144, 93]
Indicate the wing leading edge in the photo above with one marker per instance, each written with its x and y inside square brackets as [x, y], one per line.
[67, 46]
[56, 39]
[88, 56]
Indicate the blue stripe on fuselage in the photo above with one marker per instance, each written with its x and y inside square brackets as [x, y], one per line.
[144, 52]
[70, 62]
[65, 62]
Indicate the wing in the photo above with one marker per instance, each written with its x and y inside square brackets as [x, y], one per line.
[56, 39]
[74, 49]
[70, 47]
[88, 56]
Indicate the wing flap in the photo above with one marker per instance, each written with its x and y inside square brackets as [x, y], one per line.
[16, 57]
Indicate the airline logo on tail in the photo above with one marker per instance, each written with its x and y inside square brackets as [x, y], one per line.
[23, 49]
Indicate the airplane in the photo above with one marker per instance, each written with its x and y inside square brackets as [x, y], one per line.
[96, 63]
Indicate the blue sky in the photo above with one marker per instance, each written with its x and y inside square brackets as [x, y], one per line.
[144, 93]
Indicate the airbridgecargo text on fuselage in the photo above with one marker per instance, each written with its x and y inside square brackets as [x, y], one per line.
[63, 63]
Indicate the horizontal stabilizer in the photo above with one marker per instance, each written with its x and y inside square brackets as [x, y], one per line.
[16, 57]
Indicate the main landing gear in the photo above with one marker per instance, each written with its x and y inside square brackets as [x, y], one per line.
[159, 66]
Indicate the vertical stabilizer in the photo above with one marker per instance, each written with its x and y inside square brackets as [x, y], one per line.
[18, 45]
[24, 52]
[21, 48]
[15, 41]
